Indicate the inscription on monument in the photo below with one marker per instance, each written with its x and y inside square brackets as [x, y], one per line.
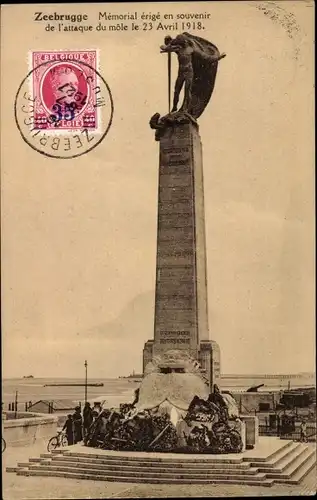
[177, 161]
[174, 341]
[170, 155]
[168, 169]
[182, 333]
[184, 149]
[175, 337]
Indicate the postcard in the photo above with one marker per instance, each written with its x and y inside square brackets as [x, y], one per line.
[157, 172]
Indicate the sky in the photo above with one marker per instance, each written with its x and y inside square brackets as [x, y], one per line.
[79, 236]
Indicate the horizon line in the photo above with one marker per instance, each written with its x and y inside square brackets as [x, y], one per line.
[224, 375]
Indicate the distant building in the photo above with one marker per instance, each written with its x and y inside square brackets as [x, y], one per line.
[250, 402]
[265, 401]
[46, 406]
[281, 376]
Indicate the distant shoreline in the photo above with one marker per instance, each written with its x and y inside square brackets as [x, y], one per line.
[225, 376]
[119, 389]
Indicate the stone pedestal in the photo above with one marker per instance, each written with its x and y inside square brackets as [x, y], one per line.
[252, 430]
[209, 359]
[181, 302]
[147, 353]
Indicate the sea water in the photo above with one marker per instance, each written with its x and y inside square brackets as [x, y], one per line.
[113, 391]
[119, 390]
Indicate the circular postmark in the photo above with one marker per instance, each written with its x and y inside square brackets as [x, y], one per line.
[63, 107]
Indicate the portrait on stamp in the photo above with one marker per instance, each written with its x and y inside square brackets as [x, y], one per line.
[64, 89]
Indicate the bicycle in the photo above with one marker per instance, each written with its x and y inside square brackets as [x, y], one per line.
[4, 445]
[57, 441]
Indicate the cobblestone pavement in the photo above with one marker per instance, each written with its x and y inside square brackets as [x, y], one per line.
[46, 488]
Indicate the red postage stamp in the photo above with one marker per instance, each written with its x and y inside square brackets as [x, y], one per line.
[62, 83]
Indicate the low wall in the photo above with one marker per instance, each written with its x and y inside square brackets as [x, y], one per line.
[10, 415]
[30, 429]
[61, 418]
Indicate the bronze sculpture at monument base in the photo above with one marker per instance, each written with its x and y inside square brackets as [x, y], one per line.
[204, 429]
[174, 411]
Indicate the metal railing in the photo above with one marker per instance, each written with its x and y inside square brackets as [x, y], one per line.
[295, 435]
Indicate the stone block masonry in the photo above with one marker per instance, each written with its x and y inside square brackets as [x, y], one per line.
[181, 299]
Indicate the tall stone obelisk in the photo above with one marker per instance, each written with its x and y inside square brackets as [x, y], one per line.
[181, 302]
[181, 297]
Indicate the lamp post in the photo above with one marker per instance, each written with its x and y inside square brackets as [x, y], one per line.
[86, 381]
[16, 404]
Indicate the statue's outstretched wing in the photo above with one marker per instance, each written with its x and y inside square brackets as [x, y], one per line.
[205, 71]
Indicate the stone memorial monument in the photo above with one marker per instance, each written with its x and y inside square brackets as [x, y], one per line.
[178, 405]
[181, 302]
